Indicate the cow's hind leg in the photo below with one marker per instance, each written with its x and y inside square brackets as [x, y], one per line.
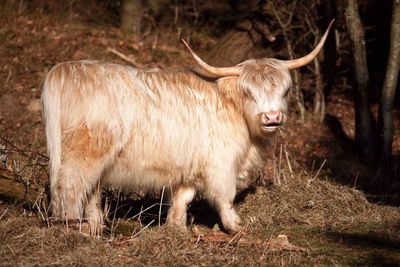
[85, 154]
[220, 192]
[181, 197]
[76, 180]
[93, 213]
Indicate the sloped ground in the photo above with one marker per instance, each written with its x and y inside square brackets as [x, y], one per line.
[325, 223]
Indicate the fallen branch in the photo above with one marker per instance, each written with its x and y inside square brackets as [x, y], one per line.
[126, 58]
[14, 188]
[278, 243]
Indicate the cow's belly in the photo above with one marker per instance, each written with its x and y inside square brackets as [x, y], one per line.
[144, 172]
[132, 173]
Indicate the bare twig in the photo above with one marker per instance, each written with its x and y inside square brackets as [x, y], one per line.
[280, 163]
[236, 238]
[4, 213]
[159, 210]
[115, 212]
[288, 162]
[277, 180]
[126, 58]
[12, 251]
[140, 213]
[302, 38]
[355, 179]
[296, 78]
[37, 204]
[21, 151]
[309, 181]
[141, 230]
[8, 78]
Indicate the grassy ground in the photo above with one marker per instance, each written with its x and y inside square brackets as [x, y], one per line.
[326, 223]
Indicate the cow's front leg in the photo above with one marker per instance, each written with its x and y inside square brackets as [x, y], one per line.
[221, 191]
[230, 220]
[181, 197]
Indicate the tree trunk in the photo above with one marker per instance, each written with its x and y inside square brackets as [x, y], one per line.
[131, 16]
[389, 89]
[238, 44]
[233, 48]
[364, 140]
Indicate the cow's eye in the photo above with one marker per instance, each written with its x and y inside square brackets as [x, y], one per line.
[286, 92]
[250, 95]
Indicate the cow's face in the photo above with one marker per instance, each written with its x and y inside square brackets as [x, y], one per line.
[264, 85]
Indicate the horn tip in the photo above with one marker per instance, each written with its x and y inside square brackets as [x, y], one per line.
[330, 23]
[186, 44]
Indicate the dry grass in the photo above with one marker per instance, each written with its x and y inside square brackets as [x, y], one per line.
[335, 223]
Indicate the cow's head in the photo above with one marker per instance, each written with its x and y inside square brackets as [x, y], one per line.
[263, 86]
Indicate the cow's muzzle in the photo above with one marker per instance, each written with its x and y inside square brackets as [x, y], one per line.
[271, 120]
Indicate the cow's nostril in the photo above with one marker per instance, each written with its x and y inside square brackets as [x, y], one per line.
[279, 117]
[272, 118]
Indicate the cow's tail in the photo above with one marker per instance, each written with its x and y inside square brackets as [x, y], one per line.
[51, 102]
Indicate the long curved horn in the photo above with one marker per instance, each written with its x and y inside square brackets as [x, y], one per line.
[220, 72]
[299, 62]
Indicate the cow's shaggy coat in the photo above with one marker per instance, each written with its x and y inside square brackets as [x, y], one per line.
[113, 125]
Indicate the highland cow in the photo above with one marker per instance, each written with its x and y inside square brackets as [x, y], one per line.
[118, 126]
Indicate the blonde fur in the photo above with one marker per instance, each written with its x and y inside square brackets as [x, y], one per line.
[112, 125]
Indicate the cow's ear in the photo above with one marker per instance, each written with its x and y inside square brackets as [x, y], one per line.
[227, 84]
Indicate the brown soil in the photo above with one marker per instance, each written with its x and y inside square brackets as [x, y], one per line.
[326, 219]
